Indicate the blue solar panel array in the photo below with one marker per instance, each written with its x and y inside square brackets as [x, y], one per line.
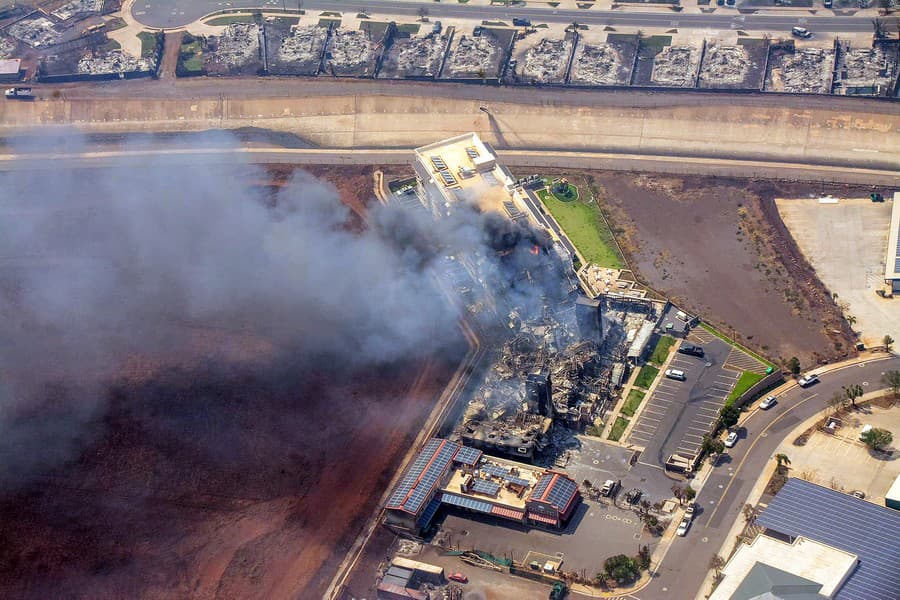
[470, 503]
[428, 513]
[419, 482]
[518, 481]
[467, 456]
[494, 470]
[867, 530]
[483, 486]
[541, 486]
[561, 493]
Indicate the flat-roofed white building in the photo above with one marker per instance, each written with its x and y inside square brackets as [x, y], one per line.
[892, 260]
[465, 169]
[771, 566]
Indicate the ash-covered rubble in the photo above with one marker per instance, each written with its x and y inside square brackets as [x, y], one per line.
[38, 32]
[78, 7]
[350, 52]
[297, 50]
[803, 71]
[416, 56]
[676, 66]
[7, 48]
[236, 51]
[865, 70]
[725, 65]
[555, 370]
[597, 64]
[546, 62]
[474, 57]
[115, 61]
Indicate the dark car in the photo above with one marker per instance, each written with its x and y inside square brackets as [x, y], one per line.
[691, 349]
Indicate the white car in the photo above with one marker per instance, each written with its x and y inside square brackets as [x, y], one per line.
[731, 440]
[808, 379]
[768, 403]
[676, 374]
[683, 527]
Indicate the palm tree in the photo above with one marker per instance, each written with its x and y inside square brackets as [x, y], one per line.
[851, 320]
[782, 460]
[888, 341]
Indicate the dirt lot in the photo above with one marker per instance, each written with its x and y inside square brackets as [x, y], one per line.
[204, 483]
[719, 248]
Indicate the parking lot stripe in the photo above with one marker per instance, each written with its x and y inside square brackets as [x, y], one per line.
[691, 435]
[655, 414]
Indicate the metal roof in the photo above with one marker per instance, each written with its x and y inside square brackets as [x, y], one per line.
[867, 530]
[467, 456]
[470, 503]
[892, 260]
[421, 479]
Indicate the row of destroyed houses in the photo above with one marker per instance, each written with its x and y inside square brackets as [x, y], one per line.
[526, 56]
[487, 54]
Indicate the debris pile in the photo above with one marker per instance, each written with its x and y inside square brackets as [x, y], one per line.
[871, 68]
[115, 61]
[725, 65]
[597, 64]
[349, 51]
[419, 56]
[303, 44]
[546, 62]
[806, 71]
[6, 48]
[78, 7]
[676, 66]
[37, 32]
[236, 49]
[474, 56]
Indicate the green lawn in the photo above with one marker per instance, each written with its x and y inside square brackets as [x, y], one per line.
[586, 228]
[618, 429]
[115, 23]
[230, 20]
[148, 44]
[746, 381]
[646, 377]
[410, 28]
[661, 352]
[634, 399]
[191, 56]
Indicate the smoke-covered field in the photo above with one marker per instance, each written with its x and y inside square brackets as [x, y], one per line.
[206, 384]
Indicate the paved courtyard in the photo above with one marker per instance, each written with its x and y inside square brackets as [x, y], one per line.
[846, 244]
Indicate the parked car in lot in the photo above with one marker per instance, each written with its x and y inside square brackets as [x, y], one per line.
[808, 380]
[691, 349]
[689, 511]
[458, 577]
[731, 440]
[676, 374]
[684, 526]
[610, 487]
[768, 403]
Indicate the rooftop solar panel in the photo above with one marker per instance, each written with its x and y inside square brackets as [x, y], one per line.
[438, 163]
[417, 485]
[467, 456]
[517, 481]
[842, 521]
[494, 470]
[429, 512]
[470, 503]
[483, 486]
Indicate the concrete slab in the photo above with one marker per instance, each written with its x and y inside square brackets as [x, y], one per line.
[846, 243]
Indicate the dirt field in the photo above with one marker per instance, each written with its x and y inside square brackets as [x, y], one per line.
[199, 483]
[720, 249]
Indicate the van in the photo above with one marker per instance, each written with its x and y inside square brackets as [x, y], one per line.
[676, 374]
[801, 32]
[864, 431]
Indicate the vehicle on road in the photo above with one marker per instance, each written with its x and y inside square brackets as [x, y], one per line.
[731, 440]
[458, 577]
[801, 32]
[676, 374]
[808, 380]
[517, 22]
[610, 487]
[692, 350]
[19, 93]
[558, 591]
[683, 527]
[689, 511]
[768, 403]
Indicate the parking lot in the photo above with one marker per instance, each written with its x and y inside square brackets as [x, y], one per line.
[679, 413]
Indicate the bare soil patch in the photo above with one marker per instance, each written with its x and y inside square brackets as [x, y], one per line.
[719, 248]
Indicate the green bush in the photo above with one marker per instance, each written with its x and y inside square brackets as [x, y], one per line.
[661, 351]
[646, 377]
[618, 429]
[632, 402]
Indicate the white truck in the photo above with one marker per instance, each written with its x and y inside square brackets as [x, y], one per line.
[20, 93]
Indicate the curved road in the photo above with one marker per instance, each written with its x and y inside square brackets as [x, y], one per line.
[169, 14]
[682, 572]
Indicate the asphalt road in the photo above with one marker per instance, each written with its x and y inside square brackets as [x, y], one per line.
[177, 13]
[687, 562]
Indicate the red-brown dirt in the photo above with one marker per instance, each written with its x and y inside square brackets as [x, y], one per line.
[201, 483]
